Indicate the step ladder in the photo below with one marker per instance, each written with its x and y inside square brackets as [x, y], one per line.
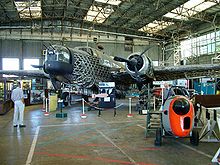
[153, 121]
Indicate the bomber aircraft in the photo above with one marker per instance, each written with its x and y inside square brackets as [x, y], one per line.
[86, 67]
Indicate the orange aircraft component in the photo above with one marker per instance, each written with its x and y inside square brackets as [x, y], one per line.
[181, 115]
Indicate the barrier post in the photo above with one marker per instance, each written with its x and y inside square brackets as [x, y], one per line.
[43, 108]
[83, 115]
[46, 113]
[129, 109]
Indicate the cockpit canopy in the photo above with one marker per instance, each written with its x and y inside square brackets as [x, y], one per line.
[58, 53]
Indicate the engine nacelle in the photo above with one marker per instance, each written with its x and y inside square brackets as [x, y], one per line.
[144, 66]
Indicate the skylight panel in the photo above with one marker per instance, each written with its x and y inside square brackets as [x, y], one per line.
[204, 6]
[175, 15]
[29, 9]
[190, 8]
[155, 26]
[192, 3]
[110, 2]
[100, 14]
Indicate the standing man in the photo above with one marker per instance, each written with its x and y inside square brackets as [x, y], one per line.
[167, 92]
[18, 98]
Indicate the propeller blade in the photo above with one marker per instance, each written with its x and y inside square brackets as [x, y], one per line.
[120, 59]
[146, 50]
[37, 66]
[52, 46]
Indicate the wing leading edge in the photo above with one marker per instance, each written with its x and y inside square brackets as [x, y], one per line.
[186, 71]
[29, 73]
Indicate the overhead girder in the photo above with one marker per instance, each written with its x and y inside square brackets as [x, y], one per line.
[128, 17]
[55, 24]
[142, 13]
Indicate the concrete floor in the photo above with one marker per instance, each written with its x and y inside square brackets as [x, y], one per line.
[48, 140]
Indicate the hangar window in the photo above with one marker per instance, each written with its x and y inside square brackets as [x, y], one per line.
[10, 64]
[202, 45]
[29, 62]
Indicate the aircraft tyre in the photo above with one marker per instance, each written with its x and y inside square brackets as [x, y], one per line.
[194, 138]
[158, 140]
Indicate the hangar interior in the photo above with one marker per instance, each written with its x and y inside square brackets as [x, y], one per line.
[171, 33]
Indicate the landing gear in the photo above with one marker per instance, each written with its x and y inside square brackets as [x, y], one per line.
[194, 138]
[158, 140]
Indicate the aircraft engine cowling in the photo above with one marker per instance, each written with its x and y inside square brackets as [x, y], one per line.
[141, 66]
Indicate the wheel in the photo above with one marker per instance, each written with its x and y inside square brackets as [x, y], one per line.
[158, 140]
[194, 138]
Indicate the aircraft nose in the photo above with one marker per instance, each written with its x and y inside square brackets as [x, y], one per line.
[181, 106]
[58, 68]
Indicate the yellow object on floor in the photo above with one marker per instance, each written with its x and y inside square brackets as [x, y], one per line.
[53, 102]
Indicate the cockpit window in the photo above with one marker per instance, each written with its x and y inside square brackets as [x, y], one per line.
[181, 106]
[58, 53]
[63, 56]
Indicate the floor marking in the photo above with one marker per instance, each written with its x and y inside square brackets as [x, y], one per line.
[118, 122]
[34, 142]
[103, 120]
[85, 157]
[141, 126]
[193, 149]
[59, 125]
[107, 138]
[33, 145]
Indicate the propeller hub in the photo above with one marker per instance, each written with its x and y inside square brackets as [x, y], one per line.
[135, 63]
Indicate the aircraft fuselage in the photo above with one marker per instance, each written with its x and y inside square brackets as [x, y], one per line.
[82, 66]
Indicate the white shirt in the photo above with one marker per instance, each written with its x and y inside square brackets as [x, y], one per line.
[17, 94]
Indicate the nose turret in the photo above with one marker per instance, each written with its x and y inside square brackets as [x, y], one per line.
[58, 67]
[58, 61]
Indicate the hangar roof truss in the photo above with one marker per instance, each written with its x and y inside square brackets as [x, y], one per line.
[158, 19]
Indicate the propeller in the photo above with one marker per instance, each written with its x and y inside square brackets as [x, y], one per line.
[120, 59]
[134, 63]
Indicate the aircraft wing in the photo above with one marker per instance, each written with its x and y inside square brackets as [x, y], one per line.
[123, 78]
[186, 71]
[28, 73]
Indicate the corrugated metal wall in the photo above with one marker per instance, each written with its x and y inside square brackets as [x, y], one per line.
[33, 49]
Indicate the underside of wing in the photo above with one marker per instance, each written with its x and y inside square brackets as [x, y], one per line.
[27, 73]
[123, 78]
[186, 71]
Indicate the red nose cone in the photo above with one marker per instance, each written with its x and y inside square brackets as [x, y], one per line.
[181, 114]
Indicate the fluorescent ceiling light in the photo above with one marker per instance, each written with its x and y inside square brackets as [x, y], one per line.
[190, 8]
[155, 26]
[29, 9]
[98, 13]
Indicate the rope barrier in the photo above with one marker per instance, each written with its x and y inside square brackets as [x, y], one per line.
[101, 108]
